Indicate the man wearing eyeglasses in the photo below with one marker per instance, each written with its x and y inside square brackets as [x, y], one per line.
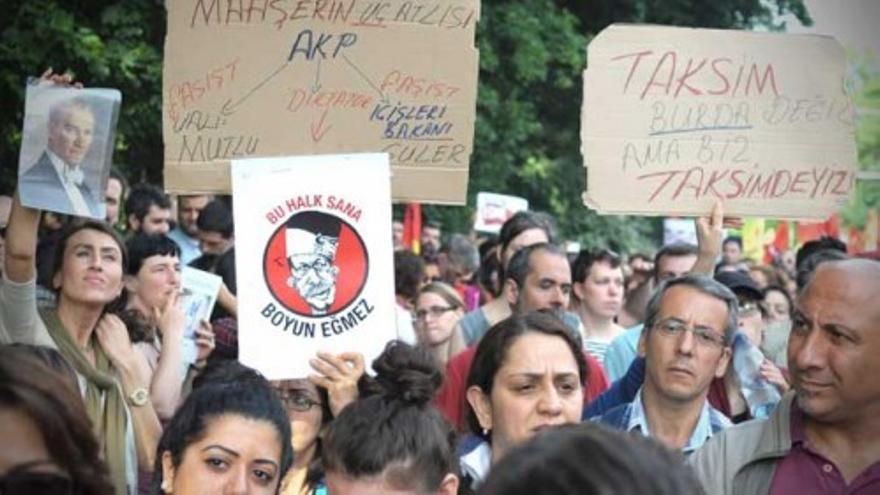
[689, 324]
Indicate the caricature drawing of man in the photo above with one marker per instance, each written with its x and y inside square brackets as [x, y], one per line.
[312, 239]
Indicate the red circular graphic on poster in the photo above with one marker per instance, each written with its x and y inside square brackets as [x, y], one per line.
[315, 264]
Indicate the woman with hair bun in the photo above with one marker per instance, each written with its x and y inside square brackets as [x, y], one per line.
[394, 441]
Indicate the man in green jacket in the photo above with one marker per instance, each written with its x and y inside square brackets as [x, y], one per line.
[824, 437]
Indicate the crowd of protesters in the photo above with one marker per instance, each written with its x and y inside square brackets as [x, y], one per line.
[519, 367]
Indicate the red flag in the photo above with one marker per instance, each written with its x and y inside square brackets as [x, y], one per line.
[412, 227]
[814, 230]
[780, 242]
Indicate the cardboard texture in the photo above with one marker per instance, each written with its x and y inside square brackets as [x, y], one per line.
[314, 259]
[674, 118]
[292, 77]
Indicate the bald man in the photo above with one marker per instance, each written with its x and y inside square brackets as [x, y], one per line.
[824, 437]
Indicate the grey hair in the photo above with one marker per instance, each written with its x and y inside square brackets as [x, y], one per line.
[463, 253]
[521, 264]
[83, 102]
[703, 284]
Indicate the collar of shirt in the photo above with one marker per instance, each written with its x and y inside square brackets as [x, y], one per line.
[181, 237]
[66, 172]
[477, 462]
[709, 422]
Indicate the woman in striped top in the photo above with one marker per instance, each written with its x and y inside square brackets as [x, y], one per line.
[598, 296]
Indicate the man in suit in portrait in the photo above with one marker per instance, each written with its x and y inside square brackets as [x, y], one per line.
[71, 130]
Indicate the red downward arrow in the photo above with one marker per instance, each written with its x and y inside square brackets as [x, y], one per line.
[318, 129]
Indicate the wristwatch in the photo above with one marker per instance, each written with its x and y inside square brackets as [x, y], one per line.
[140, 397]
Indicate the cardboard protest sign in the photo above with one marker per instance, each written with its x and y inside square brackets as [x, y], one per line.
[67, 148]
[674, 118]
[312, 77]
[314, 259]
[494, 209]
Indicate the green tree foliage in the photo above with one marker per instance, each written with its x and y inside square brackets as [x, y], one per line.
[116, 44]
[866, 87]
[532, 54]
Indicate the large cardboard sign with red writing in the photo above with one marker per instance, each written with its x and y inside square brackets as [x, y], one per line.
[674, 118]
[313, 258]
[302, 77]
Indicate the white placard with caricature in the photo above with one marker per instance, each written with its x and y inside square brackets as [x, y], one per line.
[313, 258]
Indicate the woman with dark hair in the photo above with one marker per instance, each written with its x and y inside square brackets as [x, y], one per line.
[87, 276]
[394, 441]
[589, 459]
[311, 405]
[309, 412]
[778, 304]
[409, 268]
[225, 438]
[156, 320]
[48, 444]
[528, 374]
[778, 313]
[438, 309]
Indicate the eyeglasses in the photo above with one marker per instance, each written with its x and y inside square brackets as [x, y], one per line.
[434, 311]
[303, 265]
[705, 336]
[20, 481]
[296, 399]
